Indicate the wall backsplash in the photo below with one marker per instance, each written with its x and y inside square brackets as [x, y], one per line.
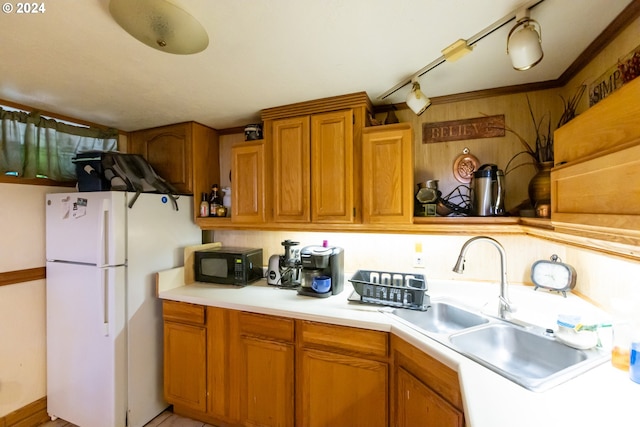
[601, 278]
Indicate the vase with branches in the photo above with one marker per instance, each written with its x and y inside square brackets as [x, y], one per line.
[541, 151]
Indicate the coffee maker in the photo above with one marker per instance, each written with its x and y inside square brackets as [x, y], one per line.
[322, 271]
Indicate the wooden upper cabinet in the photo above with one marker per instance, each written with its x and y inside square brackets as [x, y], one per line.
[387, 174]
[248, 177]
[594, 185]
[313, 171]
[185, 154]
[169, 152]
[332, 167]
[291, 166]
[315, 147]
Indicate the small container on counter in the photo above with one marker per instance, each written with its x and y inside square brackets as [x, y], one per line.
[634, 361]
[621, 347]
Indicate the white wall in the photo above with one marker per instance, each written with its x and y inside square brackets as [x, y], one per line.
[22, 306]
[600, 277]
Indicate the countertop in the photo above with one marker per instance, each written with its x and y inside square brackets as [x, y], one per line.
[603, 396]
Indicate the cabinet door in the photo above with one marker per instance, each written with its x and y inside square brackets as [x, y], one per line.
[332, 167]
[387, 174]
[291, 170]
[417, 404]
[266, 382]
[341, 390]
[169, 151]
[248, 178]
[185, 365]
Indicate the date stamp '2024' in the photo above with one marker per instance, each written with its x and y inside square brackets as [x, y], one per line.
[24, 8]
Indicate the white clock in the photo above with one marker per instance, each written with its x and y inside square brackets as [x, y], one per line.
[553, 275]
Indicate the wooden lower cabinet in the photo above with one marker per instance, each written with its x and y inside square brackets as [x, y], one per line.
[185, 355]
[337, 389]
[265, 375]
[342, 376]
[417, 402]
[234, 368]
[426, 392]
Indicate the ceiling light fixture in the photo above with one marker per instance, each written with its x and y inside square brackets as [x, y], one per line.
[461, 47]
[524, 43]
[160, 24]
[416, 100]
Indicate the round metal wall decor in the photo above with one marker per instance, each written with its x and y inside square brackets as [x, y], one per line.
[464, 166]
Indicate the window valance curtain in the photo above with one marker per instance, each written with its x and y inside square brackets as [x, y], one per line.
[33, 146]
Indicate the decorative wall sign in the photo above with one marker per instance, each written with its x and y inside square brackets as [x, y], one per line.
[615, 77]
[458, 130]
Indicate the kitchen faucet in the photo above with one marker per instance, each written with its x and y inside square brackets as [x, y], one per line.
[505, 306]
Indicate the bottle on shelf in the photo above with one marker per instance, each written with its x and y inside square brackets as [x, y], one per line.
[204, 205]
[226, 200]
[215, 201]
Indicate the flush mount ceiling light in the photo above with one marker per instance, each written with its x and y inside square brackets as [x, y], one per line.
[160, 24]
[524, 43]
[416, 100]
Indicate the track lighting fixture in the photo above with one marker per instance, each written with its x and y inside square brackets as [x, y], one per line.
[524, 42]
[523, 46]
[416, 100]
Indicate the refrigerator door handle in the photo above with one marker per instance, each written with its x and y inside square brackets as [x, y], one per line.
[105, 301]
[103, 233]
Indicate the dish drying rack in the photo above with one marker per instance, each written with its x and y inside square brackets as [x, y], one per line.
[404, 290]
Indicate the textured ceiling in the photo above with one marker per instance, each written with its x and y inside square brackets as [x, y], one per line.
[74, 59]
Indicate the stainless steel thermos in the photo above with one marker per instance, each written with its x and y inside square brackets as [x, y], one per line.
[488, 191]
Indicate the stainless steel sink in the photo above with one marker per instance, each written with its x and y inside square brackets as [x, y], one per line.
[441, 318]
[529, 359]
[526, 356]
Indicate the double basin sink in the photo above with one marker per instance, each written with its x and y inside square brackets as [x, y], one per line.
[526, 355]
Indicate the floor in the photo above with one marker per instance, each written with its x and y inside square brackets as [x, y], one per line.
[165, 419]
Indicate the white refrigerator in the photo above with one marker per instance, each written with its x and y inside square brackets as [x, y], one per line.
[104, 321]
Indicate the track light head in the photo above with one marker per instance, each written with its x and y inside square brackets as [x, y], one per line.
[416, 100]
[524, 42]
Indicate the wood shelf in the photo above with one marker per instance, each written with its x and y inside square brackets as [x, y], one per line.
[421, 225]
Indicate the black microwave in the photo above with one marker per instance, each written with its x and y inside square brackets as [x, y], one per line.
[228, 265]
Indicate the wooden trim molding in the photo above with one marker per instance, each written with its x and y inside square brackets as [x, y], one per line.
[624, 19]
[20, 276]
[31, 415]
[35, 181]
[353, 100]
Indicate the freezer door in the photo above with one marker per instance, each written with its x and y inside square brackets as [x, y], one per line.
[86, 227]
[86, 344]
